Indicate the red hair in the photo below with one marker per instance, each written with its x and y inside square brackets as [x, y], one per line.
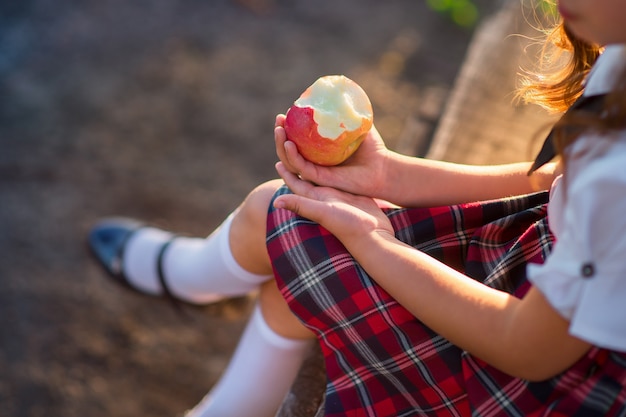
[556, 87]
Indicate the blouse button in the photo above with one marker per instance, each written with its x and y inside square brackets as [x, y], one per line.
[587, 270]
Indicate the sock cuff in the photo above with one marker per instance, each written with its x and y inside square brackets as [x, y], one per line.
[270, 336]
[229, 260]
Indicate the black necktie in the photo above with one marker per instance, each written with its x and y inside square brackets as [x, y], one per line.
[588, 103]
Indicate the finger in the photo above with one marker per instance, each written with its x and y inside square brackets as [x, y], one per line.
[280, 120]
[288, 202]
[297, 202]
[282, 143]
[287, 152]
[279, 141]
[299, 164]
[302, 206]
[295, 159]
[280, 136]
[295, 184]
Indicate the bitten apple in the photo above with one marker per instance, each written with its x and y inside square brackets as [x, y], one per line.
[329, 120]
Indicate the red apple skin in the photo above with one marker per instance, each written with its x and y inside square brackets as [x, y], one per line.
[301, 128]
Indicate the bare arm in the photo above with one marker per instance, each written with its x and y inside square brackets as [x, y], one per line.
[525, 338]
[377, 172]
[423, 182]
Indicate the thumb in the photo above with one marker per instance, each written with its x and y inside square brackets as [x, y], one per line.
[301, 206]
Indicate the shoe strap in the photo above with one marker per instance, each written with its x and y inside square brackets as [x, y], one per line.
[167, 292]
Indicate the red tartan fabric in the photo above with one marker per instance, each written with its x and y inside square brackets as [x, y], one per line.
[381, 361]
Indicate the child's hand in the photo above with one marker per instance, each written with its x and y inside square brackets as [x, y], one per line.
[363, 173]
[349, 217]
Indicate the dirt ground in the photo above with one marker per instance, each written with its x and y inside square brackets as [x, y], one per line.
[164, 111]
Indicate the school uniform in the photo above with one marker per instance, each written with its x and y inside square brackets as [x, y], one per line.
[381, 361]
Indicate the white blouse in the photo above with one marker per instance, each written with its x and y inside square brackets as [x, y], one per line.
[584, 278]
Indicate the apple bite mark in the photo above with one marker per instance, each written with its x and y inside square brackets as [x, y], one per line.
[329, 120]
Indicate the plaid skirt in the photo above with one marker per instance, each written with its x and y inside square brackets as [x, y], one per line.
[381, 361]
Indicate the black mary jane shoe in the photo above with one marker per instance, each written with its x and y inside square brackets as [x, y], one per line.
[107, 241]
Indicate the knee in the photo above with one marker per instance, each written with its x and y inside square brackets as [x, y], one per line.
[262, 194]
[256, 204]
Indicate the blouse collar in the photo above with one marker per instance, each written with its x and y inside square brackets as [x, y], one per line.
[606, 70]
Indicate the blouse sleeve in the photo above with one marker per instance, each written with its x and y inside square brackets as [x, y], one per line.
[584, 278]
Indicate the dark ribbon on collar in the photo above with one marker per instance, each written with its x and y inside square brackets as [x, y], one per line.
[592, 104]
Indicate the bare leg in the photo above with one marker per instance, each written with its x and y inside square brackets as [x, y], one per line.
[278, 316]
[231, 261]
[274, 344]
[264, 365]
[247, 243]
[247, 231]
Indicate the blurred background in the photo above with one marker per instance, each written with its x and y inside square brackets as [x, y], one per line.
[164, 111]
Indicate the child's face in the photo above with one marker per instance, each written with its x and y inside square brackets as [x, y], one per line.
[596, 21]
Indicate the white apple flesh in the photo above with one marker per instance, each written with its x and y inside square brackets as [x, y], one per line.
[329, 120]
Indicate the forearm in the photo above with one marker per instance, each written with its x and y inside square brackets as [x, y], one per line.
[499, 328]
[525, 338]
[438, 296]
[415, 182]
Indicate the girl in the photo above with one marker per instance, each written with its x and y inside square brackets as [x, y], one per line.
[452, 307]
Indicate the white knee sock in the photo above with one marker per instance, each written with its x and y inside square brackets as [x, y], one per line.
[196, 270]
[259, 375]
